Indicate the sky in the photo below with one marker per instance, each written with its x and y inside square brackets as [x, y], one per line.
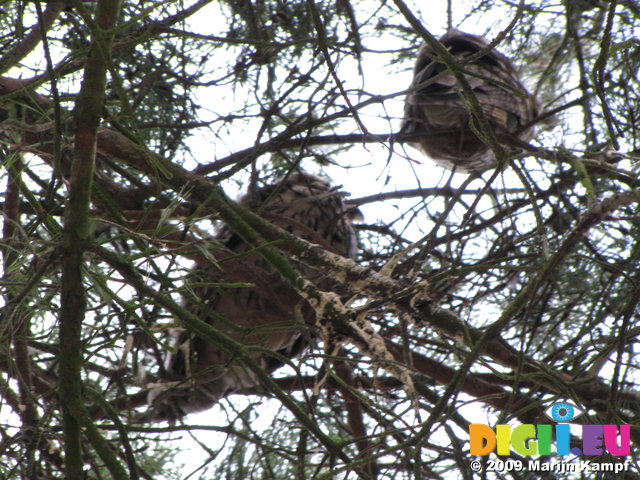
[373, 168]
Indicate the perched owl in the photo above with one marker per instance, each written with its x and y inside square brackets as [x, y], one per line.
[268, 316]
[436, 112]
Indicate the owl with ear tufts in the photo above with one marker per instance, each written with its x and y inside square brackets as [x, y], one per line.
[438, 117]
[260, 310]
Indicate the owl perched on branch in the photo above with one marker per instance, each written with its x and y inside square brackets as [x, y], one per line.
[436, 112]
[268, 316]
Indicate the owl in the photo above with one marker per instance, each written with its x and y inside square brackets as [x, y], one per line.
[436, 113]
[263, 311]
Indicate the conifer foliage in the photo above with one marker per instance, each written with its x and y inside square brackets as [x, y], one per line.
[129, 130]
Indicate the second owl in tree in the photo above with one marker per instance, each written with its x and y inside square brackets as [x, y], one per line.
[438, 115]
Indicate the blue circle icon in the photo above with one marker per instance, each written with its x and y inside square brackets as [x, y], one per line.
[562, 412]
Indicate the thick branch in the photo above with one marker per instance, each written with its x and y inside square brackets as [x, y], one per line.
[75, 237]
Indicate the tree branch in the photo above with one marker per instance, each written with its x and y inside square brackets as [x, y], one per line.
[75, 238]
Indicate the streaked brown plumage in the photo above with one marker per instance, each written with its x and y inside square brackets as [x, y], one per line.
[262, 316]
[436, 112]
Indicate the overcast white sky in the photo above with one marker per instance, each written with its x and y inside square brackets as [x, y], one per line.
[374, 170]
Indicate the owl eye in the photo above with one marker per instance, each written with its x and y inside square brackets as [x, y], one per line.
[563, 412]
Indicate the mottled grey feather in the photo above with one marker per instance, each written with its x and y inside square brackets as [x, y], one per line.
[262, 317]
[436, 112]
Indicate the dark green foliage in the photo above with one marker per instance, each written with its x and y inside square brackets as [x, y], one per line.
[543, 259]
